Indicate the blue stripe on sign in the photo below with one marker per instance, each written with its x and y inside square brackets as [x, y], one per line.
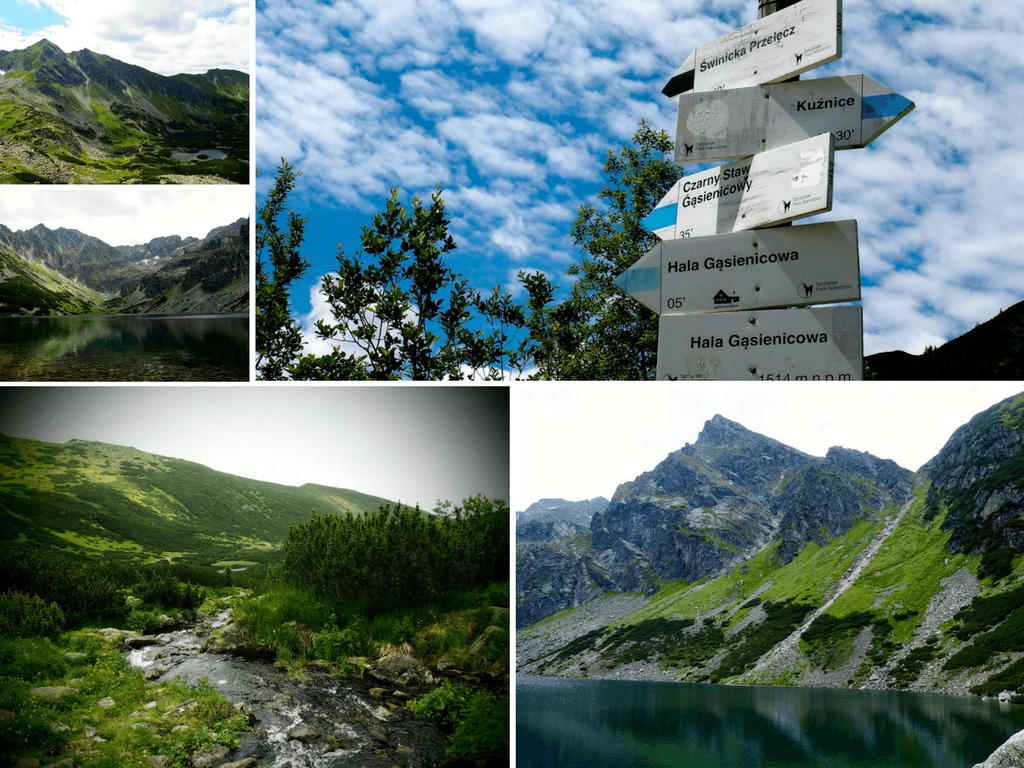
[891, 105]
[639, 279]
[661, 217]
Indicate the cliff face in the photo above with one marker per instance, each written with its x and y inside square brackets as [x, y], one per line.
[169, 274]
[979, 476]
[552, 571]
[709, 507]
[830, 495]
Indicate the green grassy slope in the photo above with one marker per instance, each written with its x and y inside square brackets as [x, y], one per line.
[117, 501]
[911, 615]
[29, 288]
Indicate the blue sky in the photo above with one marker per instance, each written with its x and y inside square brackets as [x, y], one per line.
[512, 106]
[167, 37]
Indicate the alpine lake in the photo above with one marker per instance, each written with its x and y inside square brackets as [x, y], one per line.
[584, 722]
[125, 348]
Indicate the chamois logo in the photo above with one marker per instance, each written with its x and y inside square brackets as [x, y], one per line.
[688, 148]
[784, 206]
[805, 290]
[798, 58]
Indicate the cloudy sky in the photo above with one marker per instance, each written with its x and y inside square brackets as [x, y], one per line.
[168, 37]
[125, 215]
[512, 106]
[578, 442]
[408, 444]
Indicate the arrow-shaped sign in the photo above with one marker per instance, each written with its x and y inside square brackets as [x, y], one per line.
[774, 48]
[816, 344]
[778, 267]
[721, 125]
[774, 187]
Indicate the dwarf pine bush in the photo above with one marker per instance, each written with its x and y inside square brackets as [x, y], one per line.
[24, 615]
[400, 556]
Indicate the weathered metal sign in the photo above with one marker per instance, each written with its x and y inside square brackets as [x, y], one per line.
[722, 125]
[774, 48]
[780, 267]
[769, 188]
[817, 344]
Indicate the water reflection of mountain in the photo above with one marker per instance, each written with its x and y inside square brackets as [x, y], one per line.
[125, 348]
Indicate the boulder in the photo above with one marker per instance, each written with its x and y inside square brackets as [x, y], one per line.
[143, 640]
[53, 692]
[208, 757]
[400, 669]
[304, 733]
[106, 703]
[1009, 755]
[230, 638]
[112, 635]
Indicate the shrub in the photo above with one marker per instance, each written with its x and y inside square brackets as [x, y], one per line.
[24, 615]
[400, 556]
[30, 658]
[83, 591]
[446, 703]
[481, 720]
[483, 734]
[333, 644]
[160, 587]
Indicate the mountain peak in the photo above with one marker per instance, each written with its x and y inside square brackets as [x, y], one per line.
[720, 431]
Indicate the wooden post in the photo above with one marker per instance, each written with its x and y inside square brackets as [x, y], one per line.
[768, 7]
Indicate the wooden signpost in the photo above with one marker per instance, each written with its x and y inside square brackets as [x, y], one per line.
[780, 267]
[817, 344]
[725, 268]
[723, 125]
[774, 48]
[769, 188]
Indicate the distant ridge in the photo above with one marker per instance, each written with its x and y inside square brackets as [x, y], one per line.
[93, 498]
[991, 351]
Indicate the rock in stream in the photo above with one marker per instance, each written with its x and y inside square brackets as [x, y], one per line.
[322, 722]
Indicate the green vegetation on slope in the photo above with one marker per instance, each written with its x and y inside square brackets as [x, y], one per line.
[718, 630]
[31, 288]
[124, 503]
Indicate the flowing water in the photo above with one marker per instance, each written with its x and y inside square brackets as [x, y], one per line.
[321, 722]
[597, 723]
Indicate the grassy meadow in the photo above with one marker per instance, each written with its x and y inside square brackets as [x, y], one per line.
[341, 592]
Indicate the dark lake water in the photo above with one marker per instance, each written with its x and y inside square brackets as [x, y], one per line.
[596, 723]
[211, 154]
[125, 348]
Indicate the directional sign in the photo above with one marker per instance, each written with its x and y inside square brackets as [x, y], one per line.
[818, 344]
[722, 125]
[773, 187]
[774, 48]
[781, 267]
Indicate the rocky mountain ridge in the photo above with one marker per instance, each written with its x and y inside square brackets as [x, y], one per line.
[578, 512]
[926, 594]
[167, 274]
[704, 510]
[88, 117]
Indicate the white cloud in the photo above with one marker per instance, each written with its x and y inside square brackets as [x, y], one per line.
[512, 106]
[125, 216]
[167, 37]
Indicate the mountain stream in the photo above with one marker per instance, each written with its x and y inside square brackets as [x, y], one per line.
[320, 722]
